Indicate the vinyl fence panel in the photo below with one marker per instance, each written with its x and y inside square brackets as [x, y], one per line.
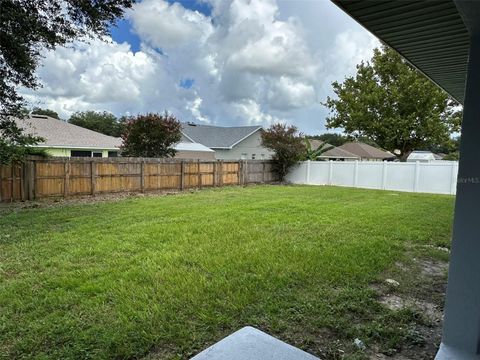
[438, 177]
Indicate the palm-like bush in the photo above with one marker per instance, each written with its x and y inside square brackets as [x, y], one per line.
[314, 154]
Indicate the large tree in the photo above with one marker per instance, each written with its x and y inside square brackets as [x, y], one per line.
[391, 103]
[151, 135]
[102, 122]
[287, 145]
[28, 27]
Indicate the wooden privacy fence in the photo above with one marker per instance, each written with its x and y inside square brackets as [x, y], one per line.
[64, 177]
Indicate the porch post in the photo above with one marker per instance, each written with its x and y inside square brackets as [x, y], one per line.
[461, 333]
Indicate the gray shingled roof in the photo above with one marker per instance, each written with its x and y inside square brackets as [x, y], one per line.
[366, 151]
[217, 137]
[58, 133]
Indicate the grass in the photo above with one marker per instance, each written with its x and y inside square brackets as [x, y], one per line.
[168, 276]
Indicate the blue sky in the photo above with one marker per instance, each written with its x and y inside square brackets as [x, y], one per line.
[224, 62]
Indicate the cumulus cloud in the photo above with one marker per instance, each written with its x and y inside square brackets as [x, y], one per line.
[165, 25]
[249, 62]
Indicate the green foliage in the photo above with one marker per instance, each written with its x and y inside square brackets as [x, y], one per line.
[151, 135]
[452, 156]
[114, 280]
[102, 122]
[451, 147]
[26, 29]
[314, 154]
[287, 145]
[14, 144]
[46, 112]
[391, 103]
[331, 138]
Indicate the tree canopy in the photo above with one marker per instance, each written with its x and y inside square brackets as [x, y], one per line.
[151, 135]
[391, 103]
[334, 139]
[288, 147]
[46, 112]
[102, 122]
[27, 28]
[14, 143]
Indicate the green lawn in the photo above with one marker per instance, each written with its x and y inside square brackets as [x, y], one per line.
[167, 276]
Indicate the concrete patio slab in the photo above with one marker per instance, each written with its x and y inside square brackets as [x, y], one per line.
[252, 344]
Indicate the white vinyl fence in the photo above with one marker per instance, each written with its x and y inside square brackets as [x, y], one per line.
[438, 177]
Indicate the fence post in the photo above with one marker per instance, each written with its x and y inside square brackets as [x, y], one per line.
[384, 175]
[307, 175]
[330, 172]
[245, 172]
[199, 179]
[416, 177]
[142, 176]
[66, 184]
[240, 172]
[12, 195]
[22, 189]
[453, 178]
[220, 174]
[30, 179]
[355, 174]
[214, 174]
[263, 172]
[93, 177]
[182, 175]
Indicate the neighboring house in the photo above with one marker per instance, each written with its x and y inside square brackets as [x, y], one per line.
[366, 152]
[334, 153]
[195, 151]
[421, 156]
[67, 140]
[229, 143]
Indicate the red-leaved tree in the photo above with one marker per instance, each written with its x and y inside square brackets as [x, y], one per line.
[151, 135]
[288, 147]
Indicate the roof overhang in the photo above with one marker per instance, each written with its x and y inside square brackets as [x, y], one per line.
[431, 35]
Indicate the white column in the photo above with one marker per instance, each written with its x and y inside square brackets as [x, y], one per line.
[453, 178]
[355, 174]
[461, 334]
[416, 176]
[307, 180]
[384, 175]
[330, 172]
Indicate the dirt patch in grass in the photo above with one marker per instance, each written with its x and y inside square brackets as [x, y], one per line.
[422, 291]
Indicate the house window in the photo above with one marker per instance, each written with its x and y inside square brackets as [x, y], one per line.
[97, 154]
[113, 154]
[80, 153]
[253, 156]
[244, 156]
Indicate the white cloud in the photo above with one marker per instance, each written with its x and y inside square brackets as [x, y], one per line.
[287, 94]
[167, 26]
[250, 62]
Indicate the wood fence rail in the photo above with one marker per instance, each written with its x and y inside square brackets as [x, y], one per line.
[64, 177]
